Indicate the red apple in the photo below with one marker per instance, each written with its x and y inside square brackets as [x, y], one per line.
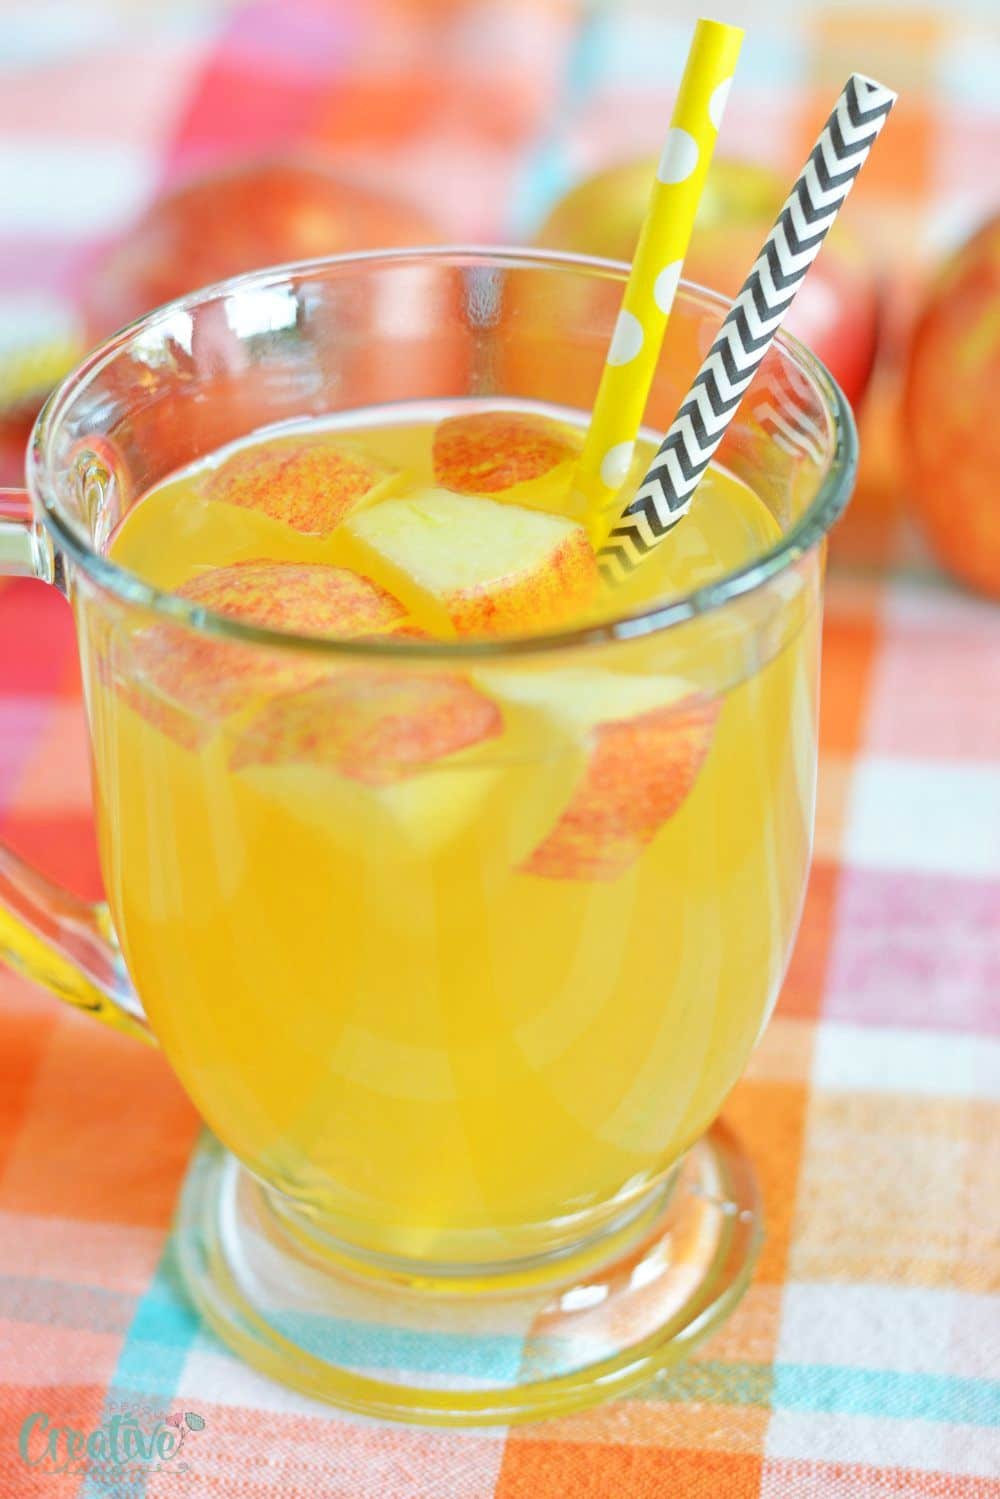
[836, 312]
[471, 566]
[217, 226]
[237, 220]
[310, 484]
[505, 454]
[376, 727]
[639, 774]
[641, 743]
[186, 683]
[951, 438]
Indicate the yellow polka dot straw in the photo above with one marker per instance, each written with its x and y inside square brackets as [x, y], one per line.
[656, 268]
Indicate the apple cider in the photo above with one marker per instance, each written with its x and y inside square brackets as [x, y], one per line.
[459, 940]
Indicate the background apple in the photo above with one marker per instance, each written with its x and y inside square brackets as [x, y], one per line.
[951, 437]
[248, 216]
[836, 312]
[255, 214]
[236, 220]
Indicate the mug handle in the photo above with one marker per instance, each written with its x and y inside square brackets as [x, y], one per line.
[66, 944]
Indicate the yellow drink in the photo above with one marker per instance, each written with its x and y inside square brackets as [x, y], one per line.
[442, 1003]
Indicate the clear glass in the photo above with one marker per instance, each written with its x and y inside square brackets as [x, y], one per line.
[446, 1071]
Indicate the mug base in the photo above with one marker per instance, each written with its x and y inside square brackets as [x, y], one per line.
[471, 1351]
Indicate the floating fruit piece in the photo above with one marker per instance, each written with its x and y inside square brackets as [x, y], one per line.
[304, 598]
[310, 485]
[185, 682]
[473, 566]
[951, 437]
[505, 455]
[640, 772]
[376, 727]
[645, 740]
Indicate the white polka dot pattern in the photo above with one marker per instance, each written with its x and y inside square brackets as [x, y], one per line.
[717, 103]
[615, 464]
[665, 285]
[747, 330]
[679, 156]
[634, 349]
[626, 341]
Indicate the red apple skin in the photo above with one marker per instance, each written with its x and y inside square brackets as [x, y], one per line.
[232, 221]
[485, 453]
[309, 485]
[640, 772]
[376, 727]
[951, 436]
[184, 682]
[837, 310]
[237, 220]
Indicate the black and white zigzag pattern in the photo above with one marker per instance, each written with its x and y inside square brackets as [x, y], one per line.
[750, 326]
[794, 430]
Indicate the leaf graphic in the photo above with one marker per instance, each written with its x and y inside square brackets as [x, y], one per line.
[194, 1421]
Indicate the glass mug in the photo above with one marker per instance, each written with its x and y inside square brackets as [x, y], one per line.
[463, 1165]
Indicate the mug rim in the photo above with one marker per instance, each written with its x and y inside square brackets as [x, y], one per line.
[808, 531]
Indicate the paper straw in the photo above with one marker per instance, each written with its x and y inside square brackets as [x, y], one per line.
[749, 328]
[656, 268]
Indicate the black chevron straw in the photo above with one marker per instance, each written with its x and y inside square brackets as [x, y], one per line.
[750, 325]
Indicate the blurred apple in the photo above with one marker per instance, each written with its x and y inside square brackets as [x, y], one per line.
[951, 438]
[836, 311]
[236, 220]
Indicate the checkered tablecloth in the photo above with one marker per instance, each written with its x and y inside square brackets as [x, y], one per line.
[865, 1359]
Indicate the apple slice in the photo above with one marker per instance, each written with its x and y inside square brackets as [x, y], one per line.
[308, 599]
[644, 741]
[186, 683]
[471, 566]
[377, 727]
[518, 456]
[309, 484]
